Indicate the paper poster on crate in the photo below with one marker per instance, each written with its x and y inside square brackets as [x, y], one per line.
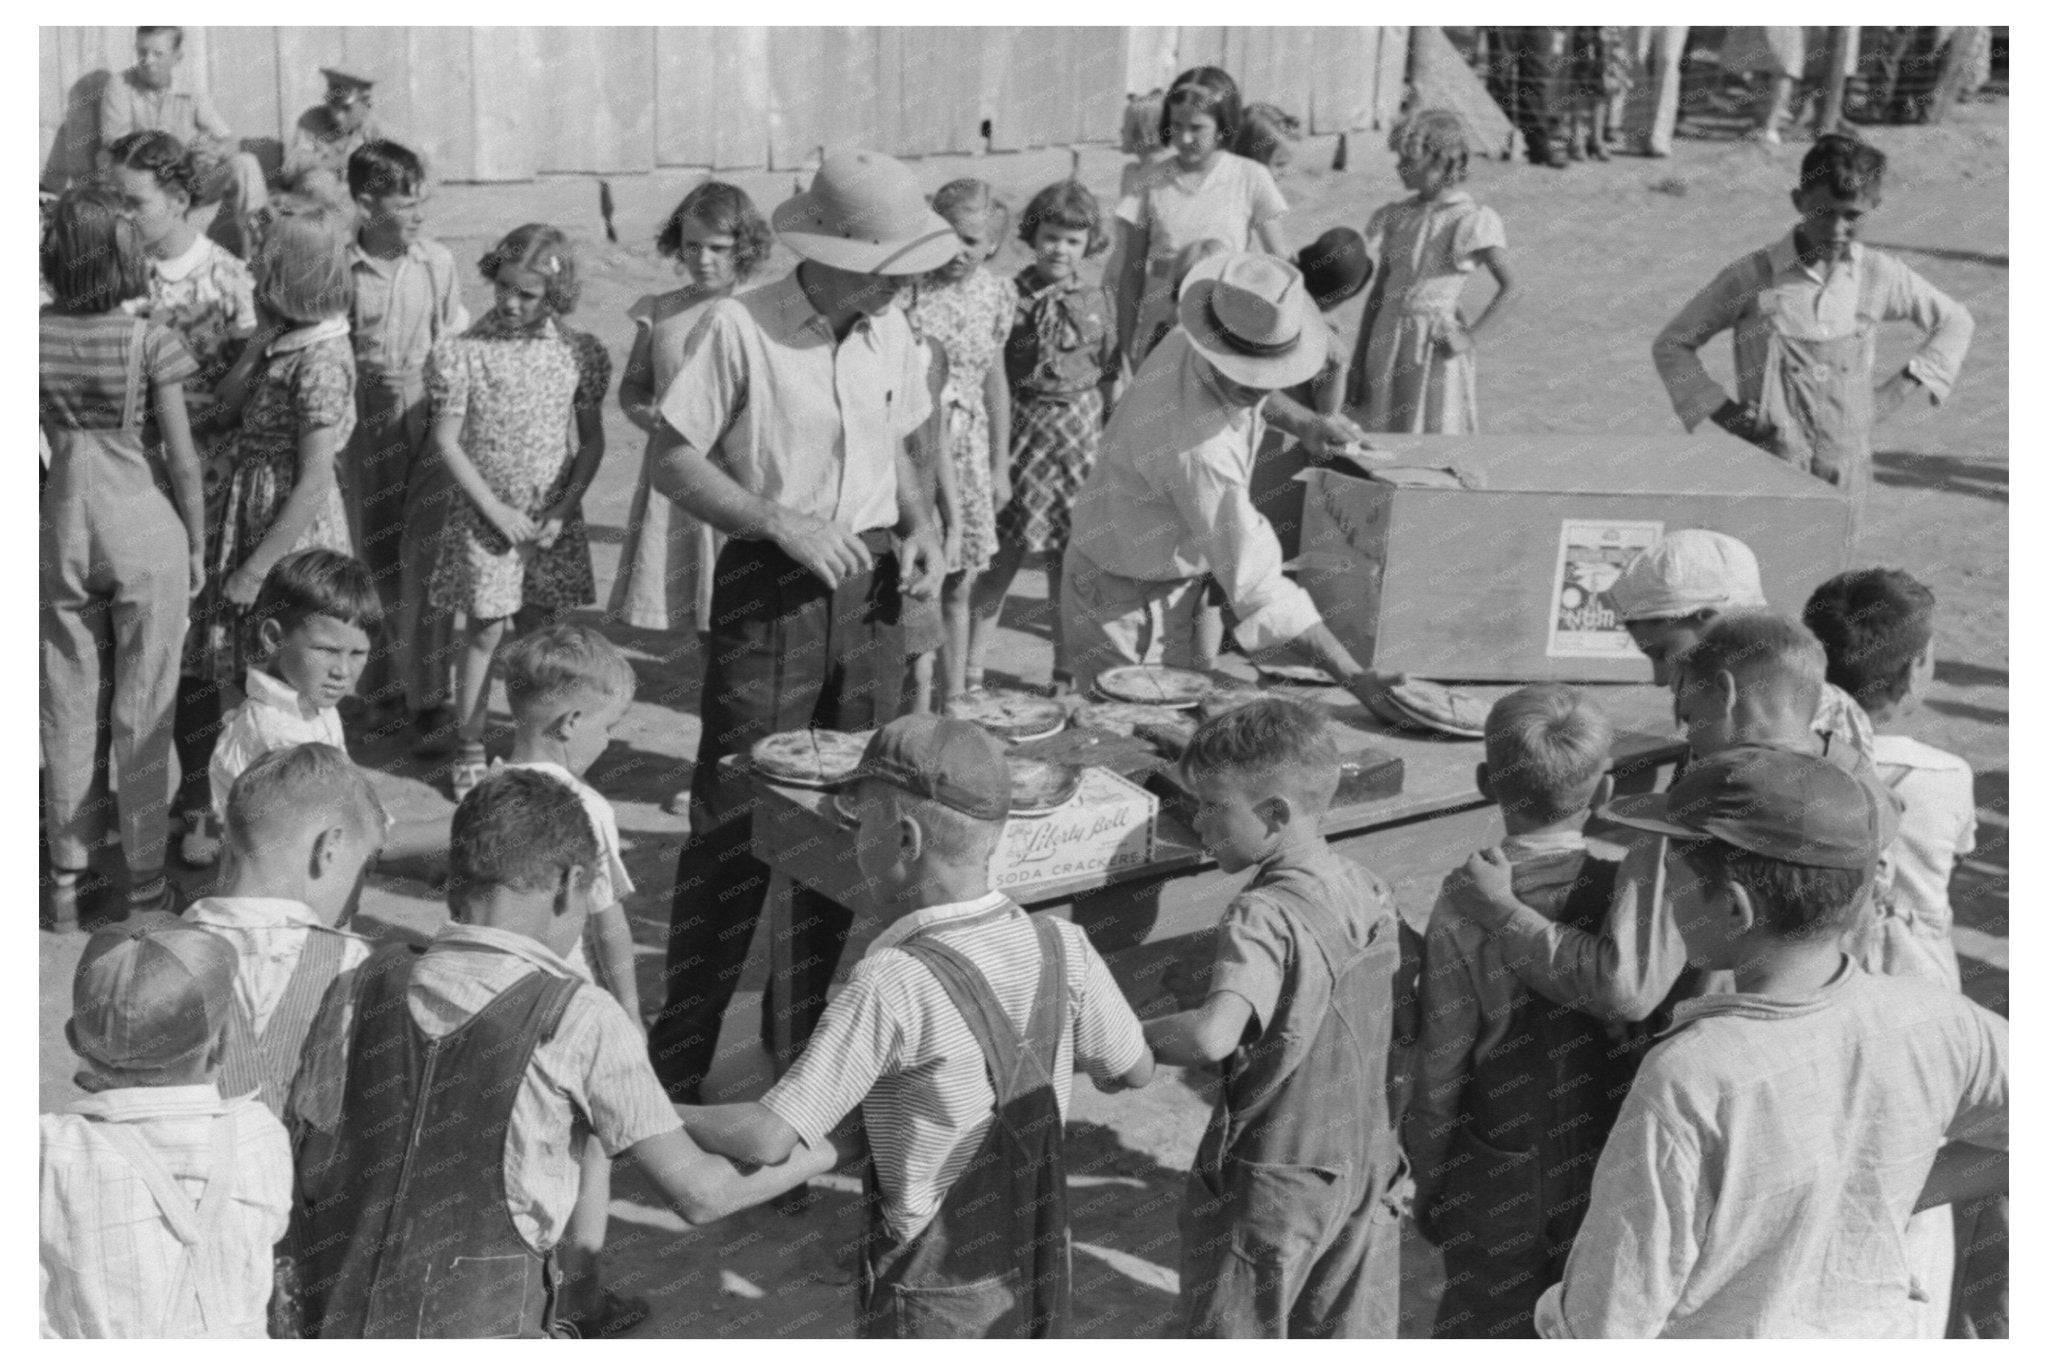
[1590, 557]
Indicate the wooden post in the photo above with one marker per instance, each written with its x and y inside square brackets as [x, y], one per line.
[1841, 47]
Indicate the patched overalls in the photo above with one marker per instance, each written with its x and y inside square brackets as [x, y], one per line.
[1817, 396]
[402, 1229]
[1288, 1228]
[994, 1260]
[1535, 1114]
[115, 590]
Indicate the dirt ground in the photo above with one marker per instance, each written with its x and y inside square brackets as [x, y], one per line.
[1603, 254]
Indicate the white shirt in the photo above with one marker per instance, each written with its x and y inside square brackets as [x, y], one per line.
[273, 717]
[111, 1261]
[1759, 1180]
[794, 416]
[268, 936]
[1170, 497]
[893, 1043]
[1937, 825]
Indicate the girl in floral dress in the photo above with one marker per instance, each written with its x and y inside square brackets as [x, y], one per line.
[1062, 362]
[1414, 369]
[300, 376]
[968, 311]
[516, 416]
[202, 292]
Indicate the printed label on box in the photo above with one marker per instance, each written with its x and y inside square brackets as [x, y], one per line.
[1590, 557]
[1106, 828]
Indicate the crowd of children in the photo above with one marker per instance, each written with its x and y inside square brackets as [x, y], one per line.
[269, 485]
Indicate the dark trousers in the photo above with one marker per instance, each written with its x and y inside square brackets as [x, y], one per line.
[784, 653]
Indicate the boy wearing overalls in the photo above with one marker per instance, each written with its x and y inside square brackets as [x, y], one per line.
[1804, 312]
[1289, 1226]
[445, 1099]
[958, 1034]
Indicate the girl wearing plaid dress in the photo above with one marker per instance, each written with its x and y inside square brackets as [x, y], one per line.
[516, 416]
[1062, 361]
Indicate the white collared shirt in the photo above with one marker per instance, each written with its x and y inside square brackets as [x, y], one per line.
[268, 935]
[893, 1043]
[794, 417]
[273, 717]
[110, 1259]
[404, 304]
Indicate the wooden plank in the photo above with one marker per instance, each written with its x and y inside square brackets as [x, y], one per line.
[504, 64]
[241, 66]
[442, 124]
[1149, 56]
[301, 52]
[941, 101]
[598, 98]
[383, 53]
[1390, 76]
[1011, 100]
[887, 79]
[1341, 62]
[741, 123]
[821, 92]
[685, 100]
[1197, 46]
[1097, 102]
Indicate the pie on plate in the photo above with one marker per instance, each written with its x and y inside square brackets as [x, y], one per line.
[1306, 674]
[1154, 684]
[1037, 788]
[808, 758]
[1009, 715]
[1425, 705]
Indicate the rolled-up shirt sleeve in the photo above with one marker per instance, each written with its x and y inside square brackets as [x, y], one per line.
[710, 386]
[1907, 297]
[1695, 395]
[1621, 973]
[1242, 551]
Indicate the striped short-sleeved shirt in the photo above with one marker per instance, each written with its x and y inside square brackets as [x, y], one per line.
[892, 1042]
[82, 376]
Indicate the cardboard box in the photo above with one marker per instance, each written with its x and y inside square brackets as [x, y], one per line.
[1108, 826]
[1486, 558]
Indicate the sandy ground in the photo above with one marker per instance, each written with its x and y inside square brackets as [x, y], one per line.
[1604, 254]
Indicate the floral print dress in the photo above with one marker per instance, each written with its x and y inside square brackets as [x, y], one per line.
[307, 381]
[519, 394]
[971, 320]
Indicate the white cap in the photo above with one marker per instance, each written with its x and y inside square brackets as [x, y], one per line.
[1685, 572]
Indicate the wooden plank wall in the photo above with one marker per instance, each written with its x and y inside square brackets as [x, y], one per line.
[509, 103]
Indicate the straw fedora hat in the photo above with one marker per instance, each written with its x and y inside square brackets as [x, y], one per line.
[864, 213]
[1250, 315]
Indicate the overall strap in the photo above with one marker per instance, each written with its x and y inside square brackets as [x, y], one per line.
[1049, 1006]
[196, 1226]
[1591, 893]
[968, 989]
[131, 394]
[285, 1037]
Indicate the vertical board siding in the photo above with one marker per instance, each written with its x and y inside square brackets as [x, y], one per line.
[508, 103]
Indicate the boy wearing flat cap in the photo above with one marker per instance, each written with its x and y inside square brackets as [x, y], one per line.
[1775, 1144]
[790, 414]
[958, 1035]
[1169, 500]
[161, 1201]
[326, 135]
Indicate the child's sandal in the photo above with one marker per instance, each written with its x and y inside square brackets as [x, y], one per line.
[64, 886]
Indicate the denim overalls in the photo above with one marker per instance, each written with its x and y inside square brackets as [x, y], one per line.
[402, 1229]
[994, 1261]
[1288, 1229]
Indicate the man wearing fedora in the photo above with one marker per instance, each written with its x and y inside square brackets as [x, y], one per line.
[1170, 497]
[791, 409]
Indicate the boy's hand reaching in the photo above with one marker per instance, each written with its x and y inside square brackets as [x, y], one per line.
[1483, 890]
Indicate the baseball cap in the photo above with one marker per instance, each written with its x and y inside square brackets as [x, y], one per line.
[1798, 808]
[149, 993]
[953, 762]
[1685, 572]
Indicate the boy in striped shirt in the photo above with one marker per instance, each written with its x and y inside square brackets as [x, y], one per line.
[958, 1035]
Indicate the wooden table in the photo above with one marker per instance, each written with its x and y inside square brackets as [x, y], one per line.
[1135, 916]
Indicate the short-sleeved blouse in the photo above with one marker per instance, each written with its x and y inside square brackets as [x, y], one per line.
[82, 379]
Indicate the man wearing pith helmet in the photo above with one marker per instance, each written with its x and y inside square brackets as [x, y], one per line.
[790, 412]
[1169, 499]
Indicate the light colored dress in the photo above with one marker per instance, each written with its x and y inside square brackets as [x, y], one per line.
[1175, 210]
[971, 320]
[1425, 252]
[666, 564]
[518, 394]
